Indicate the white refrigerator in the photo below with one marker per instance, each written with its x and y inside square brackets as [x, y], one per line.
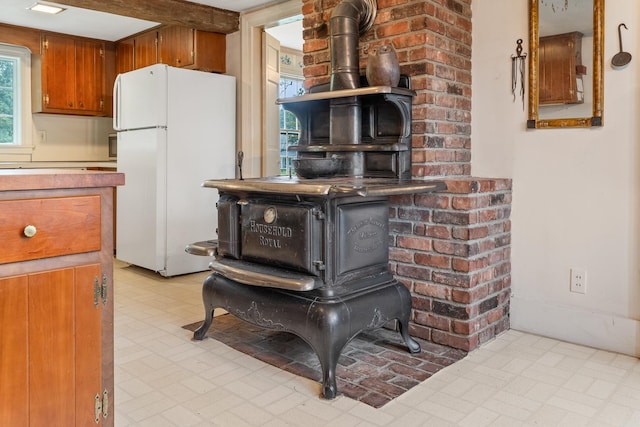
[175, 129]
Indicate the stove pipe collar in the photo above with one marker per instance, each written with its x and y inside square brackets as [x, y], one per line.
[350, 18]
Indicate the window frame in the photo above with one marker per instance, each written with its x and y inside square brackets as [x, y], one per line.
[24, 128]
[285, 132]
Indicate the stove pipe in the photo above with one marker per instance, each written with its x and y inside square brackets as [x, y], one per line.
[350, 18]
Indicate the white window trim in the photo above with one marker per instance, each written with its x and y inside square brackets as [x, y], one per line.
[26, 119]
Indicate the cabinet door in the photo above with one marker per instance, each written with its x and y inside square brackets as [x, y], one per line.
[88, 345]
[89, 75]
[210, 52]
[124, 56]
[52, 326]
[58, 72]
[176, 46]
[559, 55]
[73, 75]
[14, 386]
[145, 50]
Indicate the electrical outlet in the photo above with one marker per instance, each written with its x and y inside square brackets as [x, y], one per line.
[42, 136]
[578, 281]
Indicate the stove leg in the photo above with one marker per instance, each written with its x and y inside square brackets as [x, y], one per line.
[412, 344]
[328, 350]
[207, 299]
[329, 361]
[403, 319]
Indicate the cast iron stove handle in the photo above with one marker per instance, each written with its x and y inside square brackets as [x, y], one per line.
[240, 159]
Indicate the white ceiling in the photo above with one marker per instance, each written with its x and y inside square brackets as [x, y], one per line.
[104, 26]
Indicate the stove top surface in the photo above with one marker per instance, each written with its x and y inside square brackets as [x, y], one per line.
[346, 186]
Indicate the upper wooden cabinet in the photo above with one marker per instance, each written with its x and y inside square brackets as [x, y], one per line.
[193, 49]
[72, 76]
[145, 50]
[124, 56]
[561, 69]
[173, 45]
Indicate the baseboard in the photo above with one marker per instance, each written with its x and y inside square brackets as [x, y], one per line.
[598, 330]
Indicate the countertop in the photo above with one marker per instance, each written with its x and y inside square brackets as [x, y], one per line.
[44, 179]
[59, 165]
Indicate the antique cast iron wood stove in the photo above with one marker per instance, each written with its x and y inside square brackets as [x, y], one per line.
[308, 254]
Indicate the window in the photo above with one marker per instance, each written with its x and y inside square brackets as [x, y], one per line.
[289, 124]
[15, 94]
[9, 105]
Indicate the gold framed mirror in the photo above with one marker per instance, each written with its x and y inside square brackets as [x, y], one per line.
[566, 37]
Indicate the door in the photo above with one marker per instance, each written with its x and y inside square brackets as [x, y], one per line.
[271, 119]
[140, 98]
[141, 213]
[251, 105]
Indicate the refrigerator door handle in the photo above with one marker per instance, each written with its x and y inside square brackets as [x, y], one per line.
[116, 104]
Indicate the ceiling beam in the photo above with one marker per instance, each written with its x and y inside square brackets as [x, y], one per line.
[168, 12]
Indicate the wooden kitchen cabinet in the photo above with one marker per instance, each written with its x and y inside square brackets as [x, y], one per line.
[173, 45]
[56, 298]
[560, 58]
[72, 79]
[136, 52]
[145, 50]
[124, 56]
[193, 49]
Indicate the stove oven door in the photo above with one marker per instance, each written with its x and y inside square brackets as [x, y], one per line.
[282, 234]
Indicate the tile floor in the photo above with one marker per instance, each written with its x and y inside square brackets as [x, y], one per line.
[163, 378]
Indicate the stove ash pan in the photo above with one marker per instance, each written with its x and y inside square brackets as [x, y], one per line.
[302, 245]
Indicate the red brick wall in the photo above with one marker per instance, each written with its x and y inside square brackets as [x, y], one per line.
[451, 249]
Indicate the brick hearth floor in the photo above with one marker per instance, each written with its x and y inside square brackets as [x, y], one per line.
[374, 368]
[163, 378]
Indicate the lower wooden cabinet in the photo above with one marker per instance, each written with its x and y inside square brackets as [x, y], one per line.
[51, 338]
[56, 298]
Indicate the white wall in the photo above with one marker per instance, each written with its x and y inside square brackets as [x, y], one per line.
[575, 191]
[70, 138]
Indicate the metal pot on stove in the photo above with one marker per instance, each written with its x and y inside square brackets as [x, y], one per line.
[323, 167]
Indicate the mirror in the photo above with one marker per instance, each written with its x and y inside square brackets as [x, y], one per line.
[565, 63]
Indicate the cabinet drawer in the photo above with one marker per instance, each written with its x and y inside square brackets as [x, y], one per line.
[58, 226]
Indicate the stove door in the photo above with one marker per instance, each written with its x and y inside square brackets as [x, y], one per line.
[228, 226]
[282, 234]
[364, 236]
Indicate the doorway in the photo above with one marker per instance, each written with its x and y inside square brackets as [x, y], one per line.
[252, 105]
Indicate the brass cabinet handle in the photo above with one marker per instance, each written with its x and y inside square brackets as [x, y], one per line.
[30, 230]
